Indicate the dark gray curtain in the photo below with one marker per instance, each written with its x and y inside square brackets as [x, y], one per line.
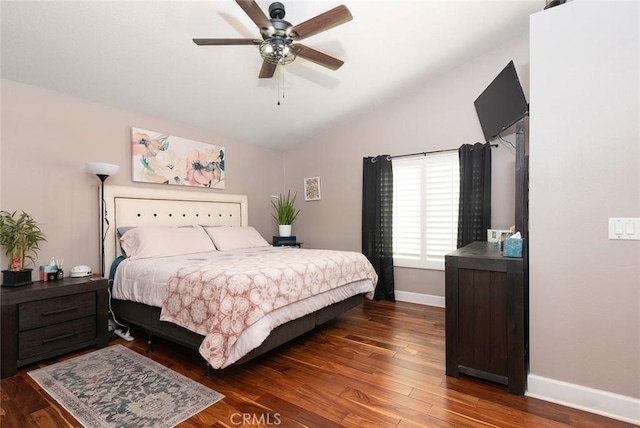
[377, 222]
[474, 212]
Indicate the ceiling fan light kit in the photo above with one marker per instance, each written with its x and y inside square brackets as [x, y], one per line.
[278, 51]
[277, 46]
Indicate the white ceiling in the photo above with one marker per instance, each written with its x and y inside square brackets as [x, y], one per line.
[139, 56]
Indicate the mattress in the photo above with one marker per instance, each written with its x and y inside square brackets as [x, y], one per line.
[145, 281]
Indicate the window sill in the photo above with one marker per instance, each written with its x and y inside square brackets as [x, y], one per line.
[413, 264]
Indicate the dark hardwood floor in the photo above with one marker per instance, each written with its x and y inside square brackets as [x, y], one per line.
[379, 365]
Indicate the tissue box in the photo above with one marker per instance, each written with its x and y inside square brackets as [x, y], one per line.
[513, 247]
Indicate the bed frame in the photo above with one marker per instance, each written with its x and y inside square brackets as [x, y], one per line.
[142, 206]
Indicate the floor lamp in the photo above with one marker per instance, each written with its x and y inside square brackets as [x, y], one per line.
[103, 171]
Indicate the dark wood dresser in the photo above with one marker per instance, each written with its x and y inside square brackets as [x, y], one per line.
[47, 319]
[486, 316]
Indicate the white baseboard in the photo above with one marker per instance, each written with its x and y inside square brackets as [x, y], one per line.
[421, 299]
[591, 400]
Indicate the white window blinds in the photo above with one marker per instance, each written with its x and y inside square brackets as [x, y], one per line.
[425, 209]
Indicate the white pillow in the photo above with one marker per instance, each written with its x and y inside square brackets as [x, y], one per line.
[233, 238]
[145, 242]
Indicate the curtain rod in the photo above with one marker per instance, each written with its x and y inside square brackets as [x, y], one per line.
[428, 153]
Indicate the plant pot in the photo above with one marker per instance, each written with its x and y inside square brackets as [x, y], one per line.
[284, 229]
[15, 278]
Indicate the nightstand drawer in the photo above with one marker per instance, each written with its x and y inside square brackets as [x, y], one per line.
[58, 336]
[46, 312]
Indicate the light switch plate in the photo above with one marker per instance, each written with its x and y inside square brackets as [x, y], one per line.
[624, 228]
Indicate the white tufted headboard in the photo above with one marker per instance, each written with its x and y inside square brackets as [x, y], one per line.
[143, 206]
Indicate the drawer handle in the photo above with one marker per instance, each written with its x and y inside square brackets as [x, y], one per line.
[63, 336]
[59, 311]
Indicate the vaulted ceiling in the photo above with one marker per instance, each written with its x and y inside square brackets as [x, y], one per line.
[139, 56]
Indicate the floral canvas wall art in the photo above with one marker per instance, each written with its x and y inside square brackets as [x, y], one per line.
[167, 159]
[312, 189]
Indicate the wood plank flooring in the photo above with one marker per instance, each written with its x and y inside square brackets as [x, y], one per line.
[379, 365]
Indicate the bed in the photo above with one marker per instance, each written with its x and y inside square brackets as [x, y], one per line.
[231, 337]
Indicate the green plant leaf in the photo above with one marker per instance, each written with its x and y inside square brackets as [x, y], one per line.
[20, 237]
[285, 212]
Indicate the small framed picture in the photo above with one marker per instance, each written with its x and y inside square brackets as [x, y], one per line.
[312, 189]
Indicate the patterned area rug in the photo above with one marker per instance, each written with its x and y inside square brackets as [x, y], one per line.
[117, 387]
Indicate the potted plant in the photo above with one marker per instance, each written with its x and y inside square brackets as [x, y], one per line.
[20, 237]
[285, 213]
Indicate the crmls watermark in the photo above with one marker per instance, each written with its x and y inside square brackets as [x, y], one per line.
[268, 419]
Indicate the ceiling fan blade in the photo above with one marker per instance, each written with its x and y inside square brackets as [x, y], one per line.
[267, 70]
[318, 57]
[256, 14]
[329, 19]
[217, 42]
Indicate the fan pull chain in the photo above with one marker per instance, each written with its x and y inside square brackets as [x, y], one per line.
[278, 92]
[283, 85]
[281, 78]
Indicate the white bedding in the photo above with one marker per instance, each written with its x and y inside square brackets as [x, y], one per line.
[145, 281]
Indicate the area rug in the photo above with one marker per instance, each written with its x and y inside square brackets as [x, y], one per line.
[117, 387]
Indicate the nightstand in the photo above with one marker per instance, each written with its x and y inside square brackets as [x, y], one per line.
[47, 319]
[287, 244]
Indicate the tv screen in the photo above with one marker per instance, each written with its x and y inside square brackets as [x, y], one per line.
[502, 104]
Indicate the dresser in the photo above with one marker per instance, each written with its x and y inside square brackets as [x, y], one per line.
[486, 316]
[47, 319]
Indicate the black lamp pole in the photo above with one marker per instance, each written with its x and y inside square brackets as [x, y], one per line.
[102, 171]
[102, 178]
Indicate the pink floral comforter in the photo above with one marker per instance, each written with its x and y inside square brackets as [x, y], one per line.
[221, 299]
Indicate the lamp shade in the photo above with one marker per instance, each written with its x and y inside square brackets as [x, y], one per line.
[101, 168]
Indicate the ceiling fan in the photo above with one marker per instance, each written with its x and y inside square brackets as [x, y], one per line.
[278, 36]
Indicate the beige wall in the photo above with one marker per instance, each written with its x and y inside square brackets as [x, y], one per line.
[47, 138]
[585, 168]
[432, 115]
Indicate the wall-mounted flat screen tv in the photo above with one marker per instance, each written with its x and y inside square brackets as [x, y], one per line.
[502, 104]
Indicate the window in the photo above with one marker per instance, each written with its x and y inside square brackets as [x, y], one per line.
[425, 209]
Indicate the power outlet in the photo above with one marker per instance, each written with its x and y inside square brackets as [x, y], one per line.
[125, 335]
